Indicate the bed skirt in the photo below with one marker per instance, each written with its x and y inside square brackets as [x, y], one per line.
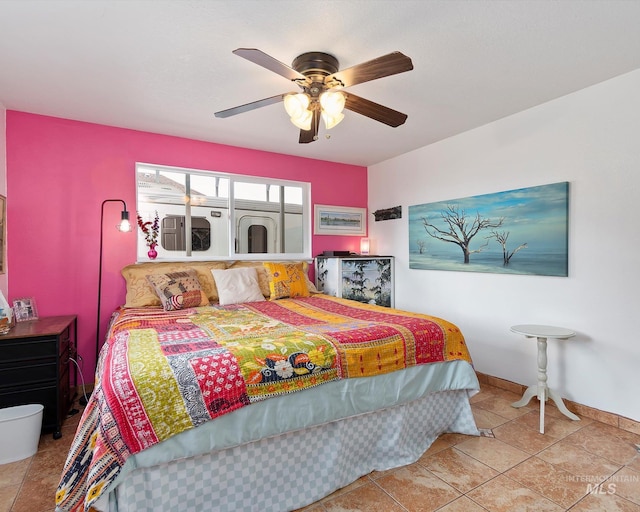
[294, 469]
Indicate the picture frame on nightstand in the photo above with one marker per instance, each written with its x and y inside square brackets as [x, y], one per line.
[25, 309]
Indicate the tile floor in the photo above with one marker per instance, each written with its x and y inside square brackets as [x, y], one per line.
[517, 470]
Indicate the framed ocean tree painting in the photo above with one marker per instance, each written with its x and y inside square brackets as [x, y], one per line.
[522, 231]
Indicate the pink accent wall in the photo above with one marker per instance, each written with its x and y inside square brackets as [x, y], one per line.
[58, 173]
[3, 188]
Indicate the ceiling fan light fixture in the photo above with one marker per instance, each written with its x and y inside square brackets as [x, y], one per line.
[331, 121]
[332, 102]
[303, 121]
[318, 75]
[297, 107]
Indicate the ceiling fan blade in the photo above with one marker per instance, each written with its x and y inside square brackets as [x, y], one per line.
[250, 106]
[266, 61]
[307, 136]
[387, 65]
[373, 110]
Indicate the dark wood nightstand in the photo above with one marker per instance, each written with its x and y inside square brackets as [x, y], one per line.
[34, 367]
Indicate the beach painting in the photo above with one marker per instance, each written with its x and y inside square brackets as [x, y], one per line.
[522, 231]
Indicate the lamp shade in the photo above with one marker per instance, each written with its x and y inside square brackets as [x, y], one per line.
[365, 246]
[297, 106]
[332, 103]
[330, 121]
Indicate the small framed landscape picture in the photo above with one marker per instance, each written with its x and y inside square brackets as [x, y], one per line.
[25, 309]
[339, 220]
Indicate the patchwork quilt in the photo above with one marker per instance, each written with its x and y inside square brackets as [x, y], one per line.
[161, 373]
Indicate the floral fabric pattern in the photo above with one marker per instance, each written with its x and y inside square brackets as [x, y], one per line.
[286, 280]
[164, 372]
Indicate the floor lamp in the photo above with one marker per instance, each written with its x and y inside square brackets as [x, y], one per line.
[123, 226]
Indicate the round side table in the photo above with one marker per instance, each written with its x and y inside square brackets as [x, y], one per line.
[541, 390]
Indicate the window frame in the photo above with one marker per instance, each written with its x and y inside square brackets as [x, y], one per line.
[232, 255]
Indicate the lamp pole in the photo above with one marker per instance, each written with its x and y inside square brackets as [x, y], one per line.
[124, 226]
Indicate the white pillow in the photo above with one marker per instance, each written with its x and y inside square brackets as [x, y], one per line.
[237, 285]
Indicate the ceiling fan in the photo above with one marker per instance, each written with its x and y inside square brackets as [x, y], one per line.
[317, 74]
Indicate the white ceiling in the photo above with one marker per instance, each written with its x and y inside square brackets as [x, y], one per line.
[166, 66]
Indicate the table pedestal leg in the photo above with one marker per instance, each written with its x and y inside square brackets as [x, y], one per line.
[560, 405]
[542, 378]
[543, 399]
[528, 395]
[541, 390]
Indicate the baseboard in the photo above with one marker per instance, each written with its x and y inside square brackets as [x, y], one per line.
[609, 418]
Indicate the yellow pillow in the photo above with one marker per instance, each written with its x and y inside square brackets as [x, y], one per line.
[286, 280]
[263, 274]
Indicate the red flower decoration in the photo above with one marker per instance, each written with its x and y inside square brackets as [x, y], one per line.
[150, 230]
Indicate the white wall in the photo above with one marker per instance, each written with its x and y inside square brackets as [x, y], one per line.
[591, 139]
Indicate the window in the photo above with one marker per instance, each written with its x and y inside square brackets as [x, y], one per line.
[227, 216]
[173, 231]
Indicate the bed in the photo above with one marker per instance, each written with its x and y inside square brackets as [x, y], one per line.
[203, 402]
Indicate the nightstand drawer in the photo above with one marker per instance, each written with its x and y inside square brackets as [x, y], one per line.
[28, 375]
[28, 349]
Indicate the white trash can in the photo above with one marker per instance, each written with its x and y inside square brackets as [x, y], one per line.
[19, 432]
